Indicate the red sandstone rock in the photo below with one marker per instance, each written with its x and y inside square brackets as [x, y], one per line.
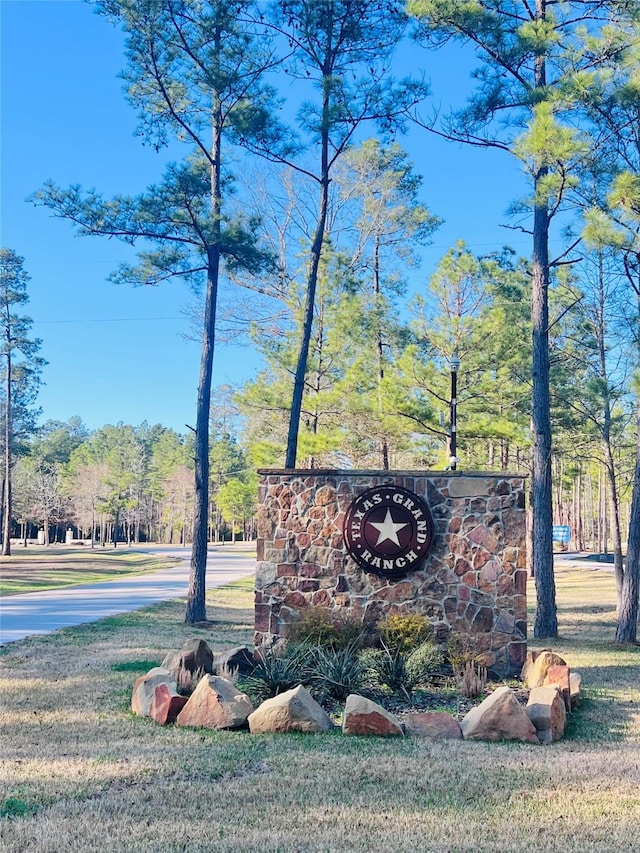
[364, 717]
[499, 717]
[144, 687]
[215, 704]
[481, 536]
[537, 665]
[435, 725]
[166, 705]
[560, 676]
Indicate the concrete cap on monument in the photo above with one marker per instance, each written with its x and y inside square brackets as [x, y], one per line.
[388, 531]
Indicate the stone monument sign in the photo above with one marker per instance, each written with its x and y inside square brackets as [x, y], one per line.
[449, 545]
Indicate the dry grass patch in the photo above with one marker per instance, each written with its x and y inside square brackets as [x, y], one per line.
[38, 568]
[80, 772]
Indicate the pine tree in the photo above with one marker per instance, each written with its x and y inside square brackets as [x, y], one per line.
[194, 74]
[21, 369]
[342, 48]
[530, 53]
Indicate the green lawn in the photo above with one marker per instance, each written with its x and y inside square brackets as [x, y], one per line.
[80, 772]
[39, 568]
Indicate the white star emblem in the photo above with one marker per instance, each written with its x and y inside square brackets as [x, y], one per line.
[388, 529]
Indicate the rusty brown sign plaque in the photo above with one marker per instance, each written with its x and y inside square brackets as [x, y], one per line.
[388, 531]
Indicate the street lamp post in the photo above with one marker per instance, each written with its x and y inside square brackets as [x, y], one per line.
[454, 366]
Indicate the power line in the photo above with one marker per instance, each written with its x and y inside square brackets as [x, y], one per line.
[106, 320]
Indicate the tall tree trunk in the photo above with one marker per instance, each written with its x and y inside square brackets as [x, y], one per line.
[196, 608]
[384, 444]
[626, 631]
[606, 431]
[312, 283]
[6, 504]
[615, 517]
[546, 619]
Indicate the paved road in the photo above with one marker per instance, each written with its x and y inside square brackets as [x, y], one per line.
[43, 612]
[584, 560]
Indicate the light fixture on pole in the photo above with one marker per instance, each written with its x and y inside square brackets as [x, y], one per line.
[454, 366]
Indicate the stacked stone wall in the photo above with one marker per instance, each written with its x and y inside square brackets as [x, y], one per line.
[473, 582]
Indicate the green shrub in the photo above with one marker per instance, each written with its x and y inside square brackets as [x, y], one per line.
[423, 662]
[399, 672]
[319, 626]
[335, 673]
[404, 632]
[275, 672]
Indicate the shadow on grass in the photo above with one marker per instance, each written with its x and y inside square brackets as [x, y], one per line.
[586, 608]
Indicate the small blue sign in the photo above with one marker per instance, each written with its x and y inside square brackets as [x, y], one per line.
[561, 533]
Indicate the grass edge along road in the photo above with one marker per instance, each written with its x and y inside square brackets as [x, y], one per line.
[38, 568]
[80, 771]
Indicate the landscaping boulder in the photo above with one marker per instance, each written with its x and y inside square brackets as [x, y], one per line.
[560, 676]
[215, 704]
[166, 705]
[364, 717]
[547, 712]
[239, 658]
[575, 682]
[435, 725]
[537, 666]
[144, 688]
[293, 711]
[194, 655]
[499, 717]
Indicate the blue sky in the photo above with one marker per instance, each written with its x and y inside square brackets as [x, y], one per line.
[120, 354]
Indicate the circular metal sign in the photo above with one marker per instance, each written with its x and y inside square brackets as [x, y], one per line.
[388, 531]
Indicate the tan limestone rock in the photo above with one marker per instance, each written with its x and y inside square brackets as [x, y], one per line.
[144, 688]
[535, 674]
[364, 717]
[293, 711]
[529, 661]
[547, 712]
[435, 725]
[560, 677]
[499, 717]
[166, 705]
[575, 681]
[215, 704]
